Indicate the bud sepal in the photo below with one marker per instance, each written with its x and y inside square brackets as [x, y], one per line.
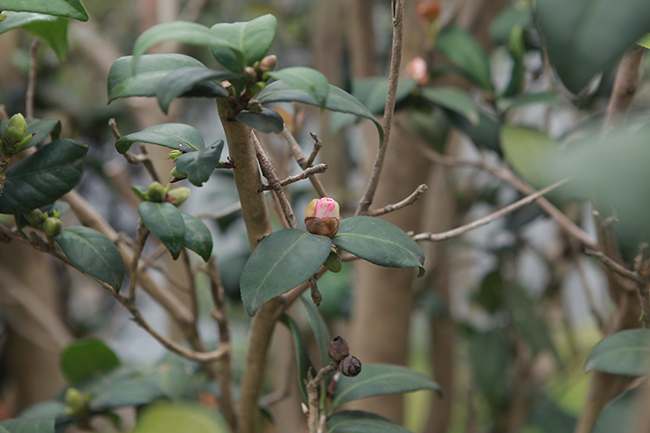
[322, 217]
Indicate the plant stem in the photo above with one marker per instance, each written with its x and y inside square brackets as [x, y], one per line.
[4, 163]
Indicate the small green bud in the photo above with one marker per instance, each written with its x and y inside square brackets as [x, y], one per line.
[250, 74]
[14, 137]
[177, 196]
[333, 262]
[35, 217]
[174, 154]
[156, 192]
[52, 226]
[268, 63]
[257, 87]
[177, 174]
[76, 400]
[2, 17]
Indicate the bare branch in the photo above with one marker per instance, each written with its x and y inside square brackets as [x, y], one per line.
[615, 267]
[140, 239]
[301, 159]
[407, 201]
[320, 168]
[228, 210]
[318, 145]
[31, 81]
[625, 86]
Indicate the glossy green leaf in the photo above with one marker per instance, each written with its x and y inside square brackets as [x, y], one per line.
[179, 31]
[485, 134]
[150, 72]
[28, 425]
[43, 177]
[165, 222]
[93, 253]
[173, 135]
[84, 359]
[191, 81]
[372, 91]
[72, 9]
[304, 363]
[531, 99]
[626, 353]
[319, 328]
[180, 417]
[357, 421]
[266, 121]
[454, 99]
[125, 393]
[53, 30]
[529, 152]
[44, 409]
[620, 414]
[466, 53]
[199, 165]
[338, 100]
[283, 260]
[307, 79]
[197, 236]
[380, 379]
[251, 38]
[42, 128]
[379, 242]
[579, 41]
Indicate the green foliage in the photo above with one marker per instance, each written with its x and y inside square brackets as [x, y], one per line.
[191, 81]
[166, 223]
[264, 120]
[528, 151]
[372, 92]
[198, 166]
[27, 425]
[620, 414]
[50, 28]
[85, 359]
[455, 100]
[307, 79]
[348, 421]
[467, 54]
[319, 328]
[626, 353]
[197, 236]
[303, 361]
[40, 128]
[72, 9]
[173, 135]
[176, 417]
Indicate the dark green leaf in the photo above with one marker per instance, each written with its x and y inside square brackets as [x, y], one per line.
[491, 354]
[181, 81]
[197, 236]
[466, 53]
[149, 73]
[357, 421]
[485, 134]
[43, 177]
[372, 91]
[173, 135]
[454, 99]
[125, 392]
[180, 417]
[165, 222]
[490, 294]
[579, 40]
[252, 39]
[86, 358]
[534, 98]
[280, 262]
[27, 425]
[52, 29]
[319, 328]
[45, 409]
[529, 152]
[379, 242]
[516, 16]
[304, 363]
[620, 415]
[338, 100]
[265, 121]
[626, 353]
[93, 253]
[199, 165]
[72, 9]
[432, 125]
[307, 79]
[380, 379]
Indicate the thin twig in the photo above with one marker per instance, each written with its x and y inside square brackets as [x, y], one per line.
[227, 211]
[140, 239]
[389, 110]
[301, 159]
[320, 168]
[144, 158]
[194, 306]
[437, 237]
[318, 145]
[31, 81]
[615, 267]
[412, 198]
[311, 386]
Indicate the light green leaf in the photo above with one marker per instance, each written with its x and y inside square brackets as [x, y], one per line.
[252, 39]
[44, 409]
[28, 425]
[304, 363]
[373, 91]
[644, 41]
[125, 392]
[180, 417]
[72, 9]
[466, 53]
[283, 260]
[529, 152]
[177, 136]
[266, 121]
[626, 353]
[191, 81]
[307, 79]
[357, 421]
[43, 177]
[52, 29]
[197, 236]
[165, 222]
[199, 165]
[93, 253]
[379, 242]
[531, 99]
[84, 359]
[454, 99]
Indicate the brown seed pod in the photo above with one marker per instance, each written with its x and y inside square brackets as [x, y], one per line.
[338, 349]
[350, 366]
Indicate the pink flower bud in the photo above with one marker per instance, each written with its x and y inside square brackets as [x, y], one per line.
[322, 217]
[418, 70]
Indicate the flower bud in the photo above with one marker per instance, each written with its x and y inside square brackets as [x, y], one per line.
[52, 226]
[333, 262]
[76, 400]
[177, 175]
[250, 74]
[418, 70]
[175, 154]
[268, 63]
[338, 349]
[322, 217]
[35, 217]
[14, 137]
[177, 196]
[350, 366]
[156, 192]
[428, 10]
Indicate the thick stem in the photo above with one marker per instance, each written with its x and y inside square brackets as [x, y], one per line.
[625, 86]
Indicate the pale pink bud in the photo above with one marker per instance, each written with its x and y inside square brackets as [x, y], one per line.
[322, 217]
[417, 69]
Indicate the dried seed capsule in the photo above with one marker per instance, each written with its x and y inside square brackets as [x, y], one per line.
[338, 349]
[350, 366]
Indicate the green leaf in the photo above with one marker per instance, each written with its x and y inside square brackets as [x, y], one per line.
[372, 91]
[179, 31]
[626, 353]
[252, 40]
[319, 328]
[307, 79]
[165, 222]
[197, 236]
[72, 9]
[485, 134]
[283, 260]
[379, 242]
[28, 425]
[533, 98]
[380, 379]
[199, 165]
[466, 53]
[490, 354]
[44, 409]
[621, 413]
[52, 29]
[93, 253]
[41, 128]
[304, 363]
[125, 392]
[644, 41]
[357, 421]
[529, 152]
[514, 16]
[177, 136]
[43, 177]
[338, 100]
[266, 121]
[196, 80]
[150, 72]
[454, 99]
[141, 191]
[579, 40]
[84, 359]
[180, 417]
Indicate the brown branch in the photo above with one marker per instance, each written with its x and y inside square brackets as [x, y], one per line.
[301, 159]
[407, 201]
[228, 210]
[437, 237]
[389, 110]
[615, 267]
[31, 81]
[625, 86]
[140, 239]
[312, 394]
[320, 168]
[318, 145]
